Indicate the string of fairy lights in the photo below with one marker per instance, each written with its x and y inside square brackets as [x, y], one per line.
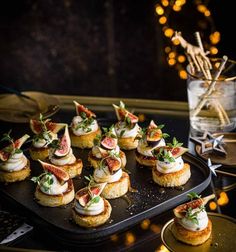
[174, 55]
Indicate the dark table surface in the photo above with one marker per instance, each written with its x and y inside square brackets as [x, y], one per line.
[144, 236]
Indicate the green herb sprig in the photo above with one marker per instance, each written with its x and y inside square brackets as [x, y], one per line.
[189, 212]
[109, 132]
[85, 124]
[174, 144]
[193, 195]
[45, 133]
[192, 216]
[93, 198]
[48, 180]
[10, 149]
[163, 155]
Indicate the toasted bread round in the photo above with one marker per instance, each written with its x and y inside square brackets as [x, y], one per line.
[39, 153]
[191, 237]
[84, 141]
[172, 179]
[89, 221]
[94, 161]
[55, 200]
[117, 189]
[128, 143]
[145, 160]
[14, 176]
[73, 169]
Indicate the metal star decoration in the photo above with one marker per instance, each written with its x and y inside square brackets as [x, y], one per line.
[209, 143]
[218, 141]
[213, 167]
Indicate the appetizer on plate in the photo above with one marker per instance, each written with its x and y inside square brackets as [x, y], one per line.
[84, 127]
[110, 172]
[126, 128]
[170, 169]
[90, 209]
[45, 132]
[105, 144]
[14, 166]
[152, 138]
[191, 224]
[54, 186]
[61, 155]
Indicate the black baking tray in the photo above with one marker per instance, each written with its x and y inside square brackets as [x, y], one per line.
[149, 200]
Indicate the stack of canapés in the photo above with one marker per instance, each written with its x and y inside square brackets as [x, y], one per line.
[51, 146]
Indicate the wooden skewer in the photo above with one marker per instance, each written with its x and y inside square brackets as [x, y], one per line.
[224, 113]
[210, 88]
[220, 114]
[226, 173]
[206, 69]
[229, 140]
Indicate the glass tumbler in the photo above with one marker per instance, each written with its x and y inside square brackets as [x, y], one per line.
[215, 112]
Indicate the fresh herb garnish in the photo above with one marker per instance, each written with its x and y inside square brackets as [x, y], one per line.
[55, 144]
[109, 132]
[174, 144]
[85, 124]
[163, 155]
[103, 163]
[165, 135]
[10, 149]
[122, 132]
[93, 198]
[83, 115]
[128, 121]
[97, 140]
[6, 137]
[46, 182]
[45, 133]
[193, 195]
[192, 215]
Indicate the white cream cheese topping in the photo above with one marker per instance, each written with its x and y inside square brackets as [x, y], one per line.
[147, 150]
[93, 209]
[102, 175]
[15, 163]
[79, 131]
[68, 159]
[168, 167]
[121, 128]
[202, 221]
[55, 188]
[43, 142]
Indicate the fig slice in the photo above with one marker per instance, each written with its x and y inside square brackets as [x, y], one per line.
[109, 142]
[64, 144]
[80, 108]
[19, 142]
[37, 128]
[178, 151]
[84, 195]
[113, 164]
[122, 113]
[4, 155]
[175, 151]
[154, 134]
[59, 173]
[180, 210]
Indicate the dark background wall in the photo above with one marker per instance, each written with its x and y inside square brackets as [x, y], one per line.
[93, 47]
